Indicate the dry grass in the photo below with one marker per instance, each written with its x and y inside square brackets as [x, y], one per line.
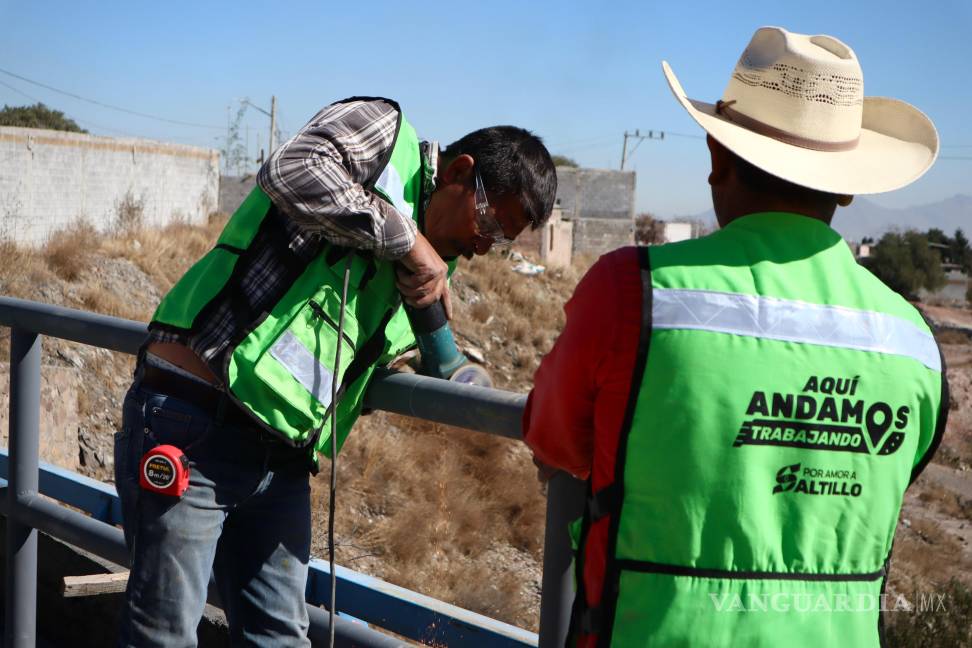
[68, 251]
[946, 501]
[20, 269]
[129, 213]
[165, 254]
[925, 556]
[443, 511]
[952, 336]
[934, 626]
[512, 318]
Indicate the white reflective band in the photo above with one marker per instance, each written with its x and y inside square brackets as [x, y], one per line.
[391, 185]
[793, 321]
[303, 366]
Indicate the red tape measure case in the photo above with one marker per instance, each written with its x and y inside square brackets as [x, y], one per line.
[165, 470]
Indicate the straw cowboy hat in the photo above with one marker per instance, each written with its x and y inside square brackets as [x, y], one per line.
[795, 107]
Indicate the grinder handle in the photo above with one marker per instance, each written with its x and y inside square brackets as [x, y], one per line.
[426, 320]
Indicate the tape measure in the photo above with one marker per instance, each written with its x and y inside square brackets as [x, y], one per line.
[164, 470]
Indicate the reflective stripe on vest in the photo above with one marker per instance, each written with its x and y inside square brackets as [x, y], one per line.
[793, 321]
[390, 183]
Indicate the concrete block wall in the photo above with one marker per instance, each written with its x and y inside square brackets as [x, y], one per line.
[600, 203]
[50, 179]
[557, 243]
[596, 193]
[233, 190]
[600, 235]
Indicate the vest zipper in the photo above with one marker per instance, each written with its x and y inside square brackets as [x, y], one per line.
[320, 313]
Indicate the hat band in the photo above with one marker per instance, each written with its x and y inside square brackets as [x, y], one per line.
[761, 128]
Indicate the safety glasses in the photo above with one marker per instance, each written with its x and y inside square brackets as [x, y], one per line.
[486, 223]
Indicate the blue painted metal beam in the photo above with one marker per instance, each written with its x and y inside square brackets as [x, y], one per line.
[408, 613]
[98, 499]
[411, 614]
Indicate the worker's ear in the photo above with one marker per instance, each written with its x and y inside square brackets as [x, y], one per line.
[721, 162]
[459, 171]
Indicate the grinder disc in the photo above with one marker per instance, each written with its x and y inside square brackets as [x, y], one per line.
[471, 374]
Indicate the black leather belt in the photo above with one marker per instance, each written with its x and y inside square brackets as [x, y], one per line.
[210, 399]
[204, 396]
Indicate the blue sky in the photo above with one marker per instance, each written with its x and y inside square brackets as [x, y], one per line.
[577, 73]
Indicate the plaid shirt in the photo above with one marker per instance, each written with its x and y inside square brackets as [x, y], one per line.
[316, 182]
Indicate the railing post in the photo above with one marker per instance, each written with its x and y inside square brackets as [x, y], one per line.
[565, 503]
[21, 586]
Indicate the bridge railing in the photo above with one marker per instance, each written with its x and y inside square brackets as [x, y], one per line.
[359, 596]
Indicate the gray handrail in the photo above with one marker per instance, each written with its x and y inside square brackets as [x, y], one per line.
[486, 410]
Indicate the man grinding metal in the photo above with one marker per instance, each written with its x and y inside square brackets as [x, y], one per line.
[235, 381]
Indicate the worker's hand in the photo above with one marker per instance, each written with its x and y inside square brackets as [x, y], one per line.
[422, 277]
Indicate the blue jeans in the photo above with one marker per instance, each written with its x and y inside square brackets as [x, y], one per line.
[245, 517]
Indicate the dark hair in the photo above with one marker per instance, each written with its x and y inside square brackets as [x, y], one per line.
[759, 181]
[512, 161]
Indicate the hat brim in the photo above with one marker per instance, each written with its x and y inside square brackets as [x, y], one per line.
[898, 145]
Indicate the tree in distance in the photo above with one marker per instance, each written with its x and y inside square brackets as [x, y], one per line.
[905, 262]
[959, 251]
[564, 161]
[38, 116]
[649, 230]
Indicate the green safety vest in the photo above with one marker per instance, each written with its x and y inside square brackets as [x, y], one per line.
[783, 400]
[280, 366]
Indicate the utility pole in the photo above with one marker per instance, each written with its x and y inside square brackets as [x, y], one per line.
[227, 151]
[660, 135]
[273, 121]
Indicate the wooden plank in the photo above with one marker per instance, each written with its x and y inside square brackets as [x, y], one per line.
[94, 584]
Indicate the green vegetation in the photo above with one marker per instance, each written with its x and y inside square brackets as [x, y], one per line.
[956, 250]
[648, 229]
[906, 263]
[38, 116]
[564, 161]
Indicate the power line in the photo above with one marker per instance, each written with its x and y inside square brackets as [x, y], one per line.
[110, 106]
[20, 92]
[687, 135]
[954, 157]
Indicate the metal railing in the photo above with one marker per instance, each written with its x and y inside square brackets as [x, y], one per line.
[378, 603]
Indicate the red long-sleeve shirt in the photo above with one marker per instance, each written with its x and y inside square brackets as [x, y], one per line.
[582, 387]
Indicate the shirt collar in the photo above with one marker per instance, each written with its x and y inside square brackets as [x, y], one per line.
[430, 172]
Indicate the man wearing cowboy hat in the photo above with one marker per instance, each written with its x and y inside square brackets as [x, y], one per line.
[750, 407]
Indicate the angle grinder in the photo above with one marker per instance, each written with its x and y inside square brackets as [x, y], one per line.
[441, 357]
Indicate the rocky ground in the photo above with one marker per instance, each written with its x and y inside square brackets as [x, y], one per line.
[454, 514]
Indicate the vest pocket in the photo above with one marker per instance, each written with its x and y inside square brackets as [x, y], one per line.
[293, 364]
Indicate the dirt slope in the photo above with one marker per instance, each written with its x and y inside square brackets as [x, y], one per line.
[454, 514]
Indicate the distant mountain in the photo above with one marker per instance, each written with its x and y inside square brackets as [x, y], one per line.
[865, 218]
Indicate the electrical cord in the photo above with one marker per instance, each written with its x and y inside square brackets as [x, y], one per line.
[334, 448]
